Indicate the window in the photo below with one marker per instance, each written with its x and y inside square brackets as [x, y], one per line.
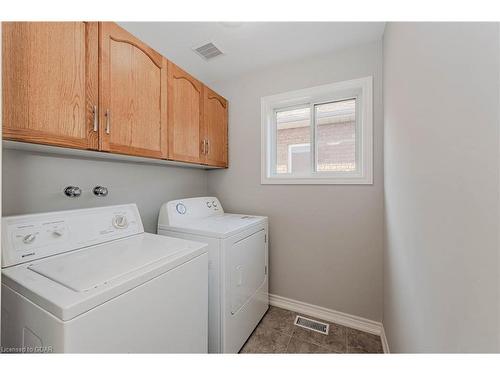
[320, 135]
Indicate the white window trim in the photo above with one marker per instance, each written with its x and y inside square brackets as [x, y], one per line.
[361, 88]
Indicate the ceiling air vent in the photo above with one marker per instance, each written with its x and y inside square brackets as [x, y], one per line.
[208, 51]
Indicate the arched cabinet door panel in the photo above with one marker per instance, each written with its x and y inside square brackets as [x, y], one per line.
[50, 88]
[133, 95]
[184, 116]
[215, 113]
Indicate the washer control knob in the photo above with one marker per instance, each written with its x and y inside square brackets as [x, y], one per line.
[57, 233]
[29, 238]
[209, 205]
[120, 222]
[214, 203]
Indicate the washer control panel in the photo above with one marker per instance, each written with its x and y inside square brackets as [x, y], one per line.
[29, 237]
[181, 210]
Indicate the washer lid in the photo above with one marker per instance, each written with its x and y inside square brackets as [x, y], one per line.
[220, 226]
[82, 271]
[70, 284]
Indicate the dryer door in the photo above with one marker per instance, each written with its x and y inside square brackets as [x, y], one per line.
[247, 261]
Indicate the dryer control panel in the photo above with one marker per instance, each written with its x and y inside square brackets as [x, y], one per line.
[181, 210]
[29, 237]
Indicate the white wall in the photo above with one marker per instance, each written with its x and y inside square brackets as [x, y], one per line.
[34, 183]
[441, 186]
[325, 240]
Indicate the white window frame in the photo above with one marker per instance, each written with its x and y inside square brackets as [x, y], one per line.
[362, 90]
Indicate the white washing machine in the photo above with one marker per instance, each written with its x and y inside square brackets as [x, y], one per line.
[91, 280]
[238, 265]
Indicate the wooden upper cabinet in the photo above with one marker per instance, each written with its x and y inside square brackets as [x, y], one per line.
[184, 116]
[93, 85]
[215, 111]
[133, 95]
[50, 82]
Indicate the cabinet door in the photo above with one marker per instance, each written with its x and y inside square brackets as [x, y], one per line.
[50, 82]
[215, 111]
[184, 116]
[133, 95]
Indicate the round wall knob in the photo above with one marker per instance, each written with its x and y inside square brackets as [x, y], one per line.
[72, 191]
[100, 191]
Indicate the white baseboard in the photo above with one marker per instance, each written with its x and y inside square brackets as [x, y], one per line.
[348, 320]
[385, 344]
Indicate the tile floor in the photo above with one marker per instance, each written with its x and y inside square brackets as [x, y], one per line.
[276, 333]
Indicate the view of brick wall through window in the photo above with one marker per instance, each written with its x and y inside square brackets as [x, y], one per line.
[335, 138]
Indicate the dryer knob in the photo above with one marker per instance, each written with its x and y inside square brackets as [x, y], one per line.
[180, 208]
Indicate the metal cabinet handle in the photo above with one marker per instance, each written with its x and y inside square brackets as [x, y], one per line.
[96, 123]
[203, 147]
[108, 121]
[208, 146]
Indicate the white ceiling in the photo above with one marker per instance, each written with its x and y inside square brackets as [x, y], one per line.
[249, 46]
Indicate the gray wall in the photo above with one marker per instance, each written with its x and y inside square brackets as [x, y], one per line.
[441, 187]
[325, 240]
[34, 183]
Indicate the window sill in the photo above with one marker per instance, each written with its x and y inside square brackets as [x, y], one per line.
[316, 181]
